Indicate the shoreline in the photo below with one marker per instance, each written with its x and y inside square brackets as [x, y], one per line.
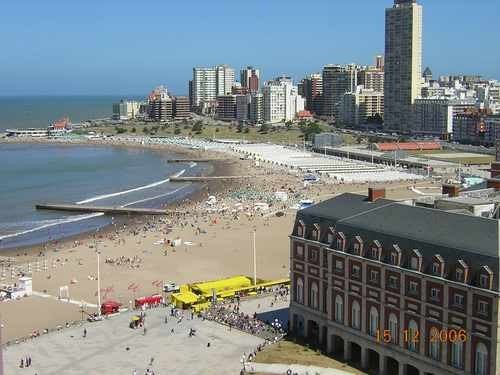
[221, 167]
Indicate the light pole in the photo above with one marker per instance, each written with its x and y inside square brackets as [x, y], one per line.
[98, 281]
[254, 261]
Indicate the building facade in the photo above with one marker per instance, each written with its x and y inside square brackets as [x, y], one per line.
[204, 86]
[256, 111]
[226, 107]
[312, 91]
[337, 80]
[125, 110]
[224, 79]
[403, 63]
[401, 289]
[181, 107]
[281, 100]
[371, 78]
[160, 105]
[250, 79]
[359, 106]
[433, 116]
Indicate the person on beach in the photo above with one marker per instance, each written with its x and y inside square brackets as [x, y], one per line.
[84, 332]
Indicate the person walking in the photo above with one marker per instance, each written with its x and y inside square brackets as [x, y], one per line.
[84, 332]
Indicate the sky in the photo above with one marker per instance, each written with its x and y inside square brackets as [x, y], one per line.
[124, 47]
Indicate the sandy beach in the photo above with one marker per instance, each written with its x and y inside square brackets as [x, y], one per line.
[135, 257]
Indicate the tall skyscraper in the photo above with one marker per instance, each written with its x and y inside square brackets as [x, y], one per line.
[204, 85]
[403, 63]
[313, 91]
[225, 79]
[281, 100]
[379, 62]
[250, 79]
[337, 80]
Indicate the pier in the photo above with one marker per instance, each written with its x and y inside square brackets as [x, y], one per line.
[117, 210]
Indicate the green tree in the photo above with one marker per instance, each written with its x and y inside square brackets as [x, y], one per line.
[264, 128]
[133, 130]
[197, 127]
[177, 131]
[145, 130]
[247, 130]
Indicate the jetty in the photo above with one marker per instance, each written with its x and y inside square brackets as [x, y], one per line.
[206, 178]
[116, 210]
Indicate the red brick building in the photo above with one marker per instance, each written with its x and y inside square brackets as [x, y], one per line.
[398, 288]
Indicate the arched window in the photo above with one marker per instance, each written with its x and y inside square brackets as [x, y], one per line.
[373, 321]
[457, 354]
[393, 328]
[314, 299]
[481, 365]
[299, 293]
[413, 338]
[434, 344]
[355, 315]
[339, 309]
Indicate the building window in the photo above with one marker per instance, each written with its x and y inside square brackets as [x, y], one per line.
[481, 363]
[313, 255]
[339, 309]
[393, 282]
[394, 259]
[458, 300]
[325, 258]
[300, 230]
[413, 288]
[413, 338]
[457, 354]
[356, 272]
[434, 344]
[435, 294]
[436, 269]
[339, 265]
[482, 307]
[314, 299]
[484, 281]
[356, 248]
[355, 315]
[299, 294]
[374, 276]
[393, 328]
[340, 244]
[374, 253]
[373, 321]
[459, 275]
[414, 263]
[299, 251]
[330, 238]
[315, 234]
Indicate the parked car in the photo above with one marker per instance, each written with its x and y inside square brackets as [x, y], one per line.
[171, 288]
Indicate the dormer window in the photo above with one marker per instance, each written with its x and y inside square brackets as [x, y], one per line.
[416, 260]
[436, 269]
[394, 258]
[485, 277]
[300, 229]
[356, 248]
[374, 253]
[340, 241]
[376, 250]
[330, 237]
[459, 275]
[438, 266]
[395, 255]
[315, 233]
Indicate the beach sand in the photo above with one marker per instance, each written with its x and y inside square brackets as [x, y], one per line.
[222, 249]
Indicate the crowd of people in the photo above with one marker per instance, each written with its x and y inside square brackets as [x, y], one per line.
[131, 262]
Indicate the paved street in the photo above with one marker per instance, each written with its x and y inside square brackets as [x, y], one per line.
[104, 350]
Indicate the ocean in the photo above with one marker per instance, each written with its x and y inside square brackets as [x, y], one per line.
[100, 175]
[40, 111]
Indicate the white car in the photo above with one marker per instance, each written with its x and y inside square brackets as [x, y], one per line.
[171, 288]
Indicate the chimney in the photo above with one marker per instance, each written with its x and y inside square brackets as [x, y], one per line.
[450, 190]
[375, 193]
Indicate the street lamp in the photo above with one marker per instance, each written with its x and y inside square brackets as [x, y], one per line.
[98, 278]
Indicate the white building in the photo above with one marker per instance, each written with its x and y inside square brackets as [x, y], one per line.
[357, 107]
[225, 79]
[125, 110]
[281, 100]
[204, 85]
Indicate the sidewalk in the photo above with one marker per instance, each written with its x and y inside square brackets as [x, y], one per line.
[278, 368]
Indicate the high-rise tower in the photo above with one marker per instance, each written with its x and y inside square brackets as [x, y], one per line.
[403, 63]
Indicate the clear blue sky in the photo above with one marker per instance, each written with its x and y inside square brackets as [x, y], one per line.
[126, 47]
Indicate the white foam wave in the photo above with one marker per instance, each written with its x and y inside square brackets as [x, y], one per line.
[155, 197]
[104, 196]
[54, 223]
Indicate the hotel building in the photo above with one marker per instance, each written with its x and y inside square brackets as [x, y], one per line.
[401, 289]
